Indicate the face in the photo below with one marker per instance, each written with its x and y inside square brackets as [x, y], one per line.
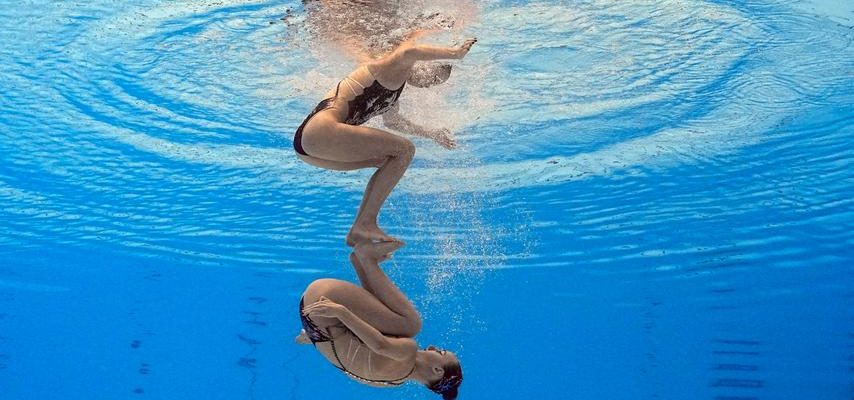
[439, 357]
[442, 352]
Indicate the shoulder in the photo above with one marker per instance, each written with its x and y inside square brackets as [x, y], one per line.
[405, 343]
[393, 69]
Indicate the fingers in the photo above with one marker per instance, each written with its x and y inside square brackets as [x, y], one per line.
[465, 47]
[323, 307]
[321, 310]
[469, 43]
[450, 142]
[320, 304]
[446, 139]
[308, 309]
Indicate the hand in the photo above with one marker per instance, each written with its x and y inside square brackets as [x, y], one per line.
[465, 47]
[445, 138]
[324, 307]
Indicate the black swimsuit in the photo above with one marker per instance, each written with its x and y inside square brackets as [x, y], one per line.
[318, 336]
[374, 100]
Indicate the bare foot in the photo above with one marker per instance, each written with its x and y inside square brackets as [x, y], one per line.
[302, 338]
[371, 234]
[378, 252]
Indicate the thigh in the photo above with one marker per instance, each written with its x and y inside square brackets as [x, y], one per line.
[326, 139]
[358, 300]
[340, 165]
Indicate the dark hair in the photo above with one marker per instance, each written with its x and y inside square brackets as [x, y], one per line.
[429, 74]
[450, 382]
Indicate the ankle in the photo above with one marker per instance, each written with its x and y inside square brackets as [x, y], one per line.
[364, 224]
[365, 259]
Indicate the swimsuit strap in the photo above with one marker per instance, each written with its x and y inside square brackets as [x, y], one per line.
[369, 72]
[349, 78]
[352, 89]
[354, 80]
[394, 382]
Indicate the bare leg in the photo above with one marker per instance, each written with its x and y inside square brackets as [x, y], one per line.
[364, 304]
[364, 279]
[353, 146]
[349, 166]
[366, 259]
[365, 226]
[341, 166]
[360, 272]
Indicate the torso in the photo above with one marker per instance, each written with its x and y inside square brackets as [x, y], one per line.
[370, 90]
[359, 360]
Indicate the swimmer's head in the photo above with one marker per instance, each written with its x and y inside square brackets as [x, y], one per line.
[426, 74]
[445, 373]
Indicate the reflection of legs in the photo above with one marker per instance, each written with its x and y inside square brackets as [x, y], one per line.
[366, 261]
[344, 143]
[364, 304]
[360, 271]
[359, 301]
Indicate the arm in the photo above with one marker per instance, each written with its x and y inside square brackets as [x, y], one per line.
[426, 53]
[395, 348]
[393, 120]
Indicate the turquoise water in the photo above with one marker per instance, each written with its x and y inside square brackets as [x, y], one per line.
[651, 200]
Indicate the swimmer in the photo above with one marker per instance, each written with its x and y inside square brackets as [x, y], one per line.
[331, 138]
[367, 332]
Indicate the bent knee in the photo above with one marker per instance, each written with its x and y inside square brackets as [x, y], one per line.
[405, 150]
[323, 287]
[409, 148]
[412, 326]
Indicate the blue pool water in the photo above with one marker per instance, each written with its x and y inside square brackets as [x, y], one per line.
[651, 200]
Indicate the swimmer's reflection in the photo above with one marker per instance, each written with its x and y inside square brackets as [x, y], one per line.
[367, 332]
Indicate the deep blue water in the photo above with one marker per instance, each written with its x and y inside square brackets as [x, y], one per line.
[651, 200]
